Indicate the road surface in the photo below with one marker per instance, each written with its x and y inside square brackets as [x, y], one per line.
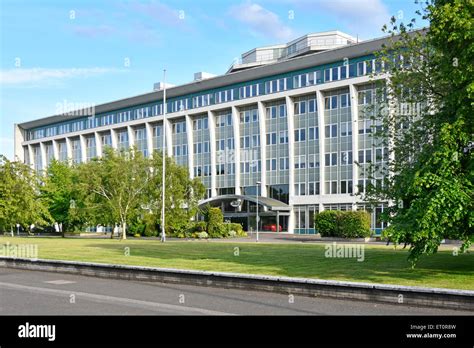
[43, 293]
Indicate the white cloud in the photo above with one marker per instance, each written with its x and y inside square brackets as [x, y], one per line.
[362, 17]
[262, 21]
[32, 75]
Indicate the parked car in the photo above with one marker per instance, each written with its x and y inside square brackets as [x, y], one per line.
[271, 227]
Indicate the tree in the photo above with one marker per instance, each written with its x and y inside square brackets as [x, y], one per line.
[19, 199]
[427, 126]
[182, 194]
[61, 193]
[116, 184]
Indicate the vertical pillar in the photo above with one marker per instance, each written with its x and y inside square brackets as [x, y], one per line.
[149, 138]
[82, 142]
[322, 150]
[113, 136]
[131, 136]
[68, 149]
[263, 149]
[55, 150]
[98, 144]
[355, 135]
[290, 111]
[236, 129]
[212, 146]
[44, 160]
[189, 140]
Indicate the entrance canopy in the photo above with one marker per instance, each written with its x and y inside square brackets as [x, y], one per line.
[269, 204]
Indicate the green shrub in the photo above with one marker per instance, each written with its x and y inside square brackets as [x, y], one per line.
[354, 224]
[343, 224]
[202, 235]
[199, 226]
[215, 223]
[327, 223]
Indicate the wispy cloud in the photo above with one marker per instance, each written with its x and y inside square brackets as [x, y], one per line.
[93, 31]
[362, 17]
[261, 21]
[160, 12]
[35, 75]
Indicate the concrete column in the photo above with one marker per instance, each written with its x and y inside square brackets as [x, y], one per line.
[31, 156]
[82, 141]
[212, 145]
[290, 113]
[322, 136]
[189, 139]
[131, 136]
[55, 150]
[355, 135]
[98, 144]
[113, 136]
[149, 138]
[263, 149]
[169, 137]
[236, 129]
[43, 156]
[68, 149]
[19, 138]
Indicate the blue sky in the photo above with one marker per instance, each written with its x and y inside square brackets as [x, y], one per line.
[82, 51]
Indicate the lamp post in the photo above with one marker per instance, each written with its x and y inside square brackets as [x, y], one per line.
[258, 184]
[163, 233]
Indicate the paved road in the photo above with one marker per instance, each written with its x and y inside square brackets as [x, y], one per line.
[44, 293]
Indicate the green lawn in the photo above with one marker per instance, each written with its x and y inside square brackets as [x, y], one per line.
[381, 264]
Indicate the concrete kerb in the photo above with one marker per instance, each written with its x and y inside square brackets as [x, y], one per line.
[395, 294]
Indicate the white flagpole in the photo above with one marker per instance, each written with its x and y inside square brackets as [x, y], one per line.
[163, 233]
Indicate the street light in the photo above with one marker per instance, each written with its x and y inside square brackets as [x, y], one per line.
[163, 233]
[258, 184]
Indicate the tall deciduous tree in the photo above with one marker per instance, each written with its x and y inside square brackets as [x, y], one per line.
[182, 193]
[62, 195]
[19, 196]
[427, 125]
[116, 185]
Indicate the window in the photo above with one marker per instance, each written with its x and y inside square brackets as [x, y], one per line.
[284, 137]
[282, 110]
[365, 156]
[365, 97]
[245, 142]
[312, 105]
[335, 74]
[313, 188]
[365, 126]
[271, 138]
[331, 187]
[313, 133]
[330, 102]
[346, 186]
[344, 71]
[284, 163]
[352, 70]
[271, 112]
[272, 164]
[327, 75]
[360, 68]
[346, 158]
[330, 159]
[345, 100]
[300, 162]
[300, 107]
[346, 129]
[313, 161]
[255, 140]
[330, 131]
[300, 189]
[300, 134]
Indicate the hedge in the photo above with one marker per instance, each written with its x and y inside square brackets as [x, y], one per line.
[343, 224]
